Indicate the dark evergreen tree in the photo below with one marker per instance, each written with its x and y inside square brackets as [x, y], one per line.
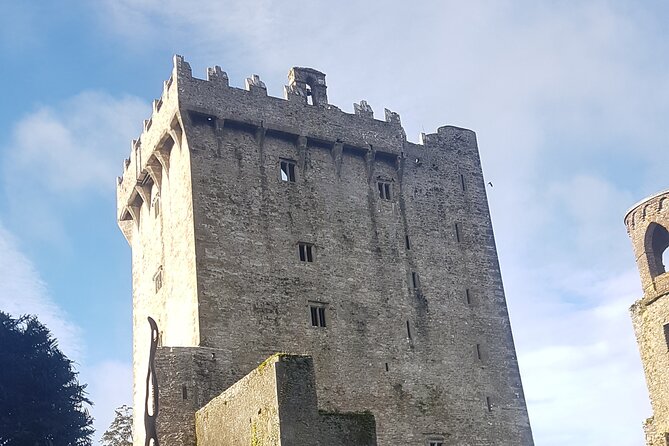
[41, 400]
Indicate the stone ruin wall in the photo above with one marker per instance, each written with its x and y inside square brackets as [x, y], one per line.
[650, 314]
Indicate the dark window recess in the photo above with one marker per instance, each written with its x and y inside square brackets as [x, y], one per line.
[202, 119]
[184, 392]
[457, 233]
[306, 252]
[408, 330]
[488, 403]
[468, 296]
[288, 171]
[158, 279]
[435, 443]
[462, 182]
[317, 316]
[387, 367]
[415, 282]
[666, 334]
[478, 352]
[406, 242]
[384, 190]
[156, 206]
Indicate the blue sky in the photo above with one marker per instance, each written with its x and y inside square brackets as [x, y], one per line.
[569, 100]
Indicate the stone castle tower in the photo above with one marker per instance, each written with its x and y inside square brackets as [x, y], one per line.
[647, 223]
[261, 225]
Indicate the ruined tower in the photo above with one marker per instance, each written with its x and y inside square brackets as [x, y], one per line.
[262, 225]
[647, 223]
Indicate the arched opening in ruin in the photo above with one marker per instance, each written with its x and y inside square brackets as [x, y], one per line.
[657, 252]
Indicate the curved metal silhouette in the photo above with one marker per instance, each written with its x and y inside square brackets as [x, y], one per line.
[151, 390]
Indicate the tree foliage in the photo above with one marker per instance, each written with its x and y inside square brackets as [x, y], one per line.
[41, 400]
[120, 431]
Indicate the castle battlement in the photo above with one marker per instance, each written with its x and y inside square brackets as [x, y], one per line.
[213, 102]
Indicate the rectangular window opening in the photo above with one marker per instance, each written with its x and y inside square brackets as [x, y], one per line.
[158, 279]
[435, 443]
[306, 252]
[414, 280]
[478, 352]
[288, 171]
[457, 232]
[156, 206]
[317, 316]
[387, 367]
[468, 296]
[488, 403]
[408, 330]
[384, 190]
[462, 182]
[666, 334]
[184, 392]
[406, 242]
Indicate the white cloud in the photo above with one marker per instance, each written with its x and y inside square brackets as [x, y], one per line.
[77, 146]
[22, 291]
[60, 155]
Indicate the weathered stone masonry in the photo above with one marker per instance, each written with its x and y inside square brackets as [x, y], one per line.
[647, 224]
[401, 305]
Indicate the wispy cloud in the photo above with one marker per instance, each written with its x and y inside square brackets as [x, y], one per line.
[22, 291]
[67, 153]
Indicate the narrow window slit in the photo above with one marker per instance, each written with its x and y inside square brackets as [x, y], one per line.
[488, 402]
[158, 279]
[408, 330]
[384, 190]
[321, 316]
[288, 171]
[184, 392]
[317, 312]
[415, 280]
[387, 367]
[406, 242]
[457, 232]
[306, 252]
[468, 296]
[462, 182]
[666, 334]
[478, 352]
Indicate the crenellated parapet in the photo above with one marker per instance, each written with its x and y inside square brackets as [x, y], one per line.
[299, 115]
[647, 225]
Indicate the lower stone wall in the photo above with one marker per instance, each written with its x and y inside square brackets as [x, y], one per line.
[649, 316]
[346, 429]
[276, 405]
[188, 378]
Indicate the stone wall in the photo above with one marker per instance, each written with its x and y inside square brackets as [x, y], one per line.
[155, 214]
[646, 225]
[188, 378]
[276, 404]
[417, 329]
